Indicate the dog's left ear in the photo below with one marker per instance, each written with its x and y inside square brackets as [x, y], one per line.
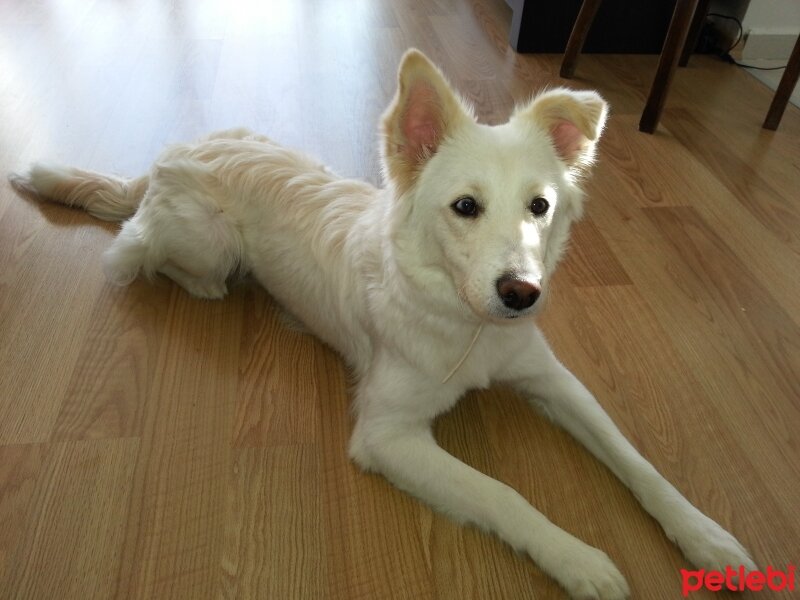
[424, 112]
[572, 119]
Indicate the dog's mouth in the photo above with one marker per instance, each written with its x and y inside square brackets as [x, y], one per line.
[528, 314]
[505, 316]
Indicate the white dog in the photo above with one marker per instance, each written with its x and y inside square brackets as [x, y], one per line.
[426, 287]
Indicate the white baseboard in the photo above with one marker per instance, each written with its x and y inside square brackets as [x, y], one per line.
[763, 45]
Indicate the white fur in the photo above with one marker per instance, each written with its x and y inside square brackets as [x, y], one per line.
[398, 283]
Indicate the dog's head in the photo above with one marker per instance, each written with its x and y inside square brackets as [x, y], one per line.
[483, 213]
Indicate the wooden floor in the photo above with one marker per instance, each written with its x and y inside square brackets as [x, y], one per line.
[155, 446]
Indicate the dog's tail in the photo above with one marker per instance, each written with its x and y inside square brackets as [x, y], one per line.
[104, 196]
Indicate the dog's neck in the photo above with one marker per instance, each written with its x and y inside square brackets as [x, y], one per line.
[466, 353]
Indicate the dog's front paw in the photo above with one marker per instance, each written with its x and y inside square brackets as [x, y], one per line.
[709, 546]
[588, 574]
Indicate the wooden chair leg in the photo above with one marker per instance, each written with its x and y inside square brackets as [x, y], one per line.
[785, 89]
[694, 32]
[674, 42]
[578, 36]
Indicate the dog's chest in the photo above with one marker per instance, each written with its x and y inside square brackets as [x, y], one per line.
[463, 361]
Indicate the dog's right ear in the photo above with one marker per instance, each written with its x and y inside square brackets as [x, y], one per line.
[425, 111]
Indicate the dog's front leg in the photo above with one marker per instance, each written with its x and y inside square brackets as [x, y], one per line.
[559, 394]
[394, 438]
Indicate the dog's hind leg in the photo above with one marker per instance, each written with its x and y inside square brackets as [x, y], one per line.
[127, 255]
[558, 393]
[392, 438]
[195, 249]
[190, 231]
[209, 287]
[199, 255]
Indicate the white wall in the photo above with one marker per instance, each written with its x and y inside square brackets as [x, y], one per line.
[771, 27]
[773, 16]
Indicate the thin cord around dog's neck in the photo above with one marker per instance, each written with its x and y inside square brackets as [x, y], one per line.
[466, 354]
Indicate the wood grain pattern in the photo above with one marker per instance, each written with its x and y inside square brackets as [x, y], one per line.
[273, 540]
[156, 446]
[173, 532]
[776, 210]
[81, 495]
[278, 403]
[108, 389]
[20, 466]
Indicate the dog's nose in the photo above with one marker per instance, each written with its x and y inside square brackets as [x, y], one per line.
[517, 293]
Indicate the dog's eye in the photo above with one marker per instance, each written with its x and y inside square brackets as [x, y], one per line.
[539, 206]
[466, 207]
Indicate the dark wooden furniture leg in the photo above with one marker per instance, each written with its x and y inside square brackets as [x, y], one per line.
[673, 44]
[578, 36]
[785, 88]
[694, 32]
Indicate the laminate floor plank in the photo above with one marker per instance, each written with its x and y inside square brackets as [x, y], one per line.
[173, 542]
[77, 515]
[273, 541]
[157, 446]
[685, 181]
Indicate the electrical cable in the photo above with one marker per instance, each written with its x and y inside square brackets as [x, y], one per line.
[726, 56]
